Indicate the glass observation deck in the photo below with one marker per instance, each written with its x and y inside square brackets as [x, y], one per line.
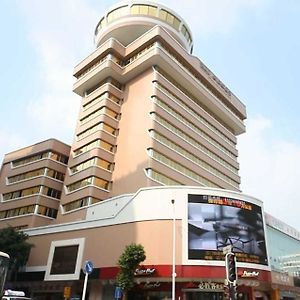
[129, 20]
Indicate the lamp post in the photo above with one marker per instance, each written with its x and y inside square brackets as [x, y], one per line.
[173, 251]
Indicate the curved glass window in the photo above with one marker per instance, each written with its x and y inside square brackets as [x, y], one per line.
[169, 18]
[141, 9]
[186, 33]
[116, 13]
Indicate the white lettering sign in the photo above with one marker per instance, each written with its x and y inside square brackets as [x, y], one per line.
[151, 285]
[211, 286]
[247, 274]
[142, 272]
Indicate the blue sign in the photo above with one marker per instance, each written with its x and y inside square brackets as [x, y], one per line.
[88, 267]
[118, 293]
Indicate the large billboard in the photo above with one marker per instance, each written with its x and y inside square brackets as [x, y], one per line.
[215, 222]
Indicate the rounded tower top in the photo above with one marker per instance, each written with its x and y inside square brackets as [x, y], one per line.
[128, 20]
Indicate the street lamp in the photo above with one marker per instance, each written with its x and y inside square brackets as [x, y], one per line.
[174, 251]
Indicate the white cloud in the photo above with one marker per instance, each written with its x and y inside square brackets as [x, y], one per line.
[61, 34]
[270, 170]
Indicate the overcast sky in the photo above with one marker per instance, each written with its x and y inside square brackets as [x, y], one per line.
[253, 46]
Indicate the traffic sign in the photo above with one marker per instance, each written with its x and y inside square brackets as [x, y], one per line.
[88, 267]
[118, 293]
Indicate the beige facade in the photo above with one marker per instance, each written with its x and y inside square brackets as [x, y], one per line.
[31, 183]
[155, 125]
[147, 218]
[151, 113]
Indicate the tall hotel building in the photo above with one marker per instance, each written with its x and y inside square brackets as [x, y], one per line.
[151, 112]
[155, 125]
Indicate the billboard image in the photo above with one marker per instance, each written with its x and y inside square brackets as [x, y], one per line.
[215, 222]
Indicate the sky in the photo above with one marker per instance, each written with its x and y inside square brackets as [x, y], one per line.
[253, 46]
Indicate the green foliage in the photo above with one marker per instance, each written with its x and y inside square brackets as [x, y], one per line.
[14, 243]
[129, 260]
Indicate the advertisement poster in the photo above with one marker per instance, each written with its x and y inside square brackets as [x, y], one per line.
[215, 222]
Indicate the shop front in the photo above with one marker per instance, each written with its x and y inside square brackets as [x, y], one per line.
[192, 283]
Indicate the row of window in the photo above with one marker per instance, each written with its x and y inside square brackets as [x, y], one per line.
[202, 81]
[110, 80]
[161, 178]
[95, 144]
[24, 210]
[101, 111]
[190, 96]
[186, 33]
[104, 95]
[93, 180]
[193, 126]
[194, 113]
[180, 168]
[134, 57]
[35, 190]
[47, 211]
[99, 126]
[95, 161]
[193, 142]
[149, 10]
[193, 158]
[46, 154]
[83, 202]
[35, 173]
[95, 64]
[29, 209]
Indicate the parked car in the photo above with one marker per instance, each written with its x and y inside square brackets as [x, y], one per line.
[14, 295]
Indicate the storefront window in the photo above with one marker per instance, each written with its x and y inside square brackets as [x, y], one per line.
[64, 260]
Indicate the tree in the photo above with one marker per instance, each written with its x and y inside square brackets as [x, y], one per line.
[129, 260]
[14, 243]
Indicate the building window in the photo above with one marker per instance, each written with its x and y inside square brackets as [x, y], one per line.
[50, 192]
[99, 182]
[83, 202]
[97, 127]
[140, 9]
[55, 174]
[22, 193]
[101, 111]
[164, 180]
[59, 157]
[94, 144]
[95, 161]
[192, 141]
[180, 168]
[19, 211]
[29, 159]
[46, 154]
[170, 144]
[47, 211]
[195, 114]
[65, 259]
[27, 175]
[117, 13]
